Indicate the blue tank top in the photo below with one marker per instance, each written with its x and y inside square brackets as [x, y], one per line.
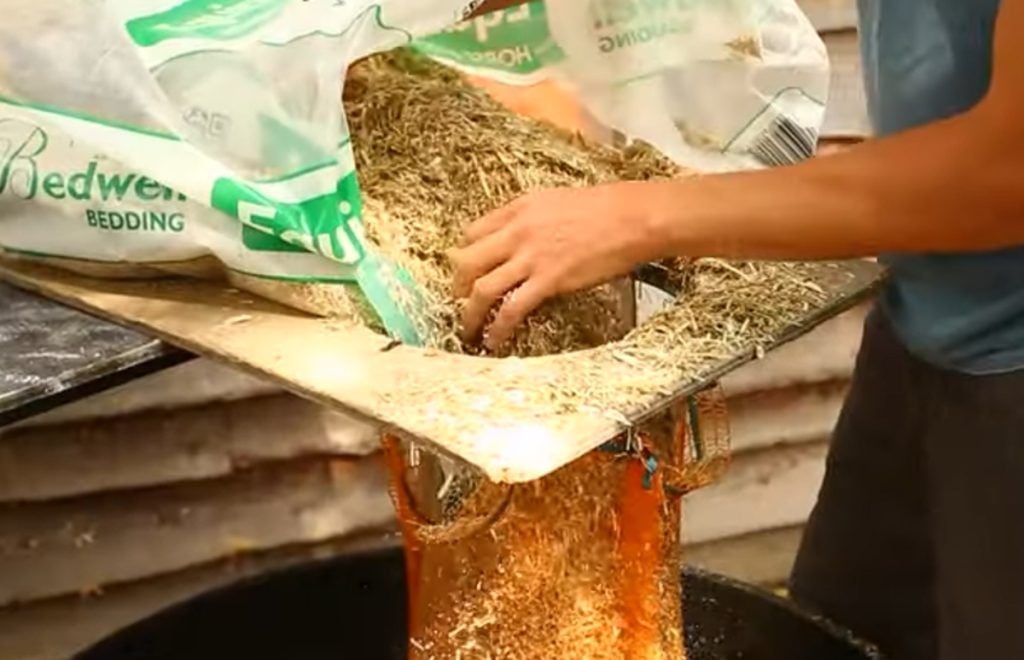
[926, 60]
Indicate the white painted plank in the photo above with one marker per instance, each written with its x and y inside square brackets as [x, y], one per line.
[194, 383]
[829, 15]
[165, 447]
[764, 490]
[56, 548]
[785, 416]
[764, 558]
[825, 354]
[402, 387]
[846, 115]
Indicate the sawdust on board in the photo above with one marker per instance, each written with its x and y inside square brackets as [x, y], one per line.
[729, 309]
[435, 153]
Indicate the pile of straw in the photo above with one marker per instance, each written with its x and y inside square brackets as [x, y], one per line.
[435, 153]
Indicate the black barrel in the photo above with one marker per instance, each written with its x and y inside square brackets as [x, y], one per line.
[353, 608]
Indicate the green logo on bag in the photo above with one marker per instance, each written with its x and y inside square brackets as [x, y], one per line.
[515, 41]
[204, 19]
[327, 225]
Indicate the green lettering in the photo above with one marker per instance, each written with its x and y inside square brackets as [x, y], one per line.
[18, 170]
[53, 185]
[116, 185]
[485, 23]
[147, 189]
[518, 14]
[80, 185]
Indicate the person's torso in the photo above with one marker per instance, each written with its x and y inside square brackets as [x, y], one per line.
[926, 60]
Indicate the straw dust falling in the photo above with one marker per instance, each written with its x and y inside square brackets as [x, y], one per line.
[583, 563]
[580, 564]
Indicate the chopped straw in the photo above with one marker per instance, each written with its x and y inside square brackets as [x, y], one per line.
[434, 154]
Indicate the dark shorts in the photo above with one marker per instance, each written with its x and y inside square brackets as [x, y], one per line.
[917, 540]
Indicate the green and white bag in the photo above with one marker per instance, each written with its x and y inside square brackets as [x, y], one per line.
[205, 137]
[717, 85]
[151, 136]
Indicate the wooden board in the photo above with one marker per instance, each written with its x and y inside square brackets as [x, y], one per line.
[362, 373]
[61, 627]
[764, 558]
[775, 418]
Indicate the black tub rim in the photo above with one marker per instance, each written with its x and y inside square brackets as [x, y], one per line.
[820, 621]
[136, 629]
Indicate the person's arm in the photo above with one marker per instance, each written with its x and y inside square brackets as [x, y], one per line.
[955, 185]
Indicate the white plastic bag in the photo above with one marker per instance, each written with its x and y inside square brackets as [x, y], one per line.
[714, 84]
[206, 137]
[151, 135]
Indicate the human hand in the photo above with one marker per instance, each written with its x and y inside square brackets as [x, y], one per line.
[548, 243]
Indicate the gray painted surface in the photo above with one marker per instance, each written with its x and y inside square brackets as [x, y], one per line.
[49, 353]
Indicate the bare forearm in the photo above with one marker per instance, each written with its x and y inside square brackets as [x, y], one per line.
[957, 185]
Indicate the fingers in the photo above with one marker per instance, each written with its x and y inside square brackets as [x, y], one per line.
[514, 311]
[485, 292]
[491, 223]
[487, 268]
[479, 259]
